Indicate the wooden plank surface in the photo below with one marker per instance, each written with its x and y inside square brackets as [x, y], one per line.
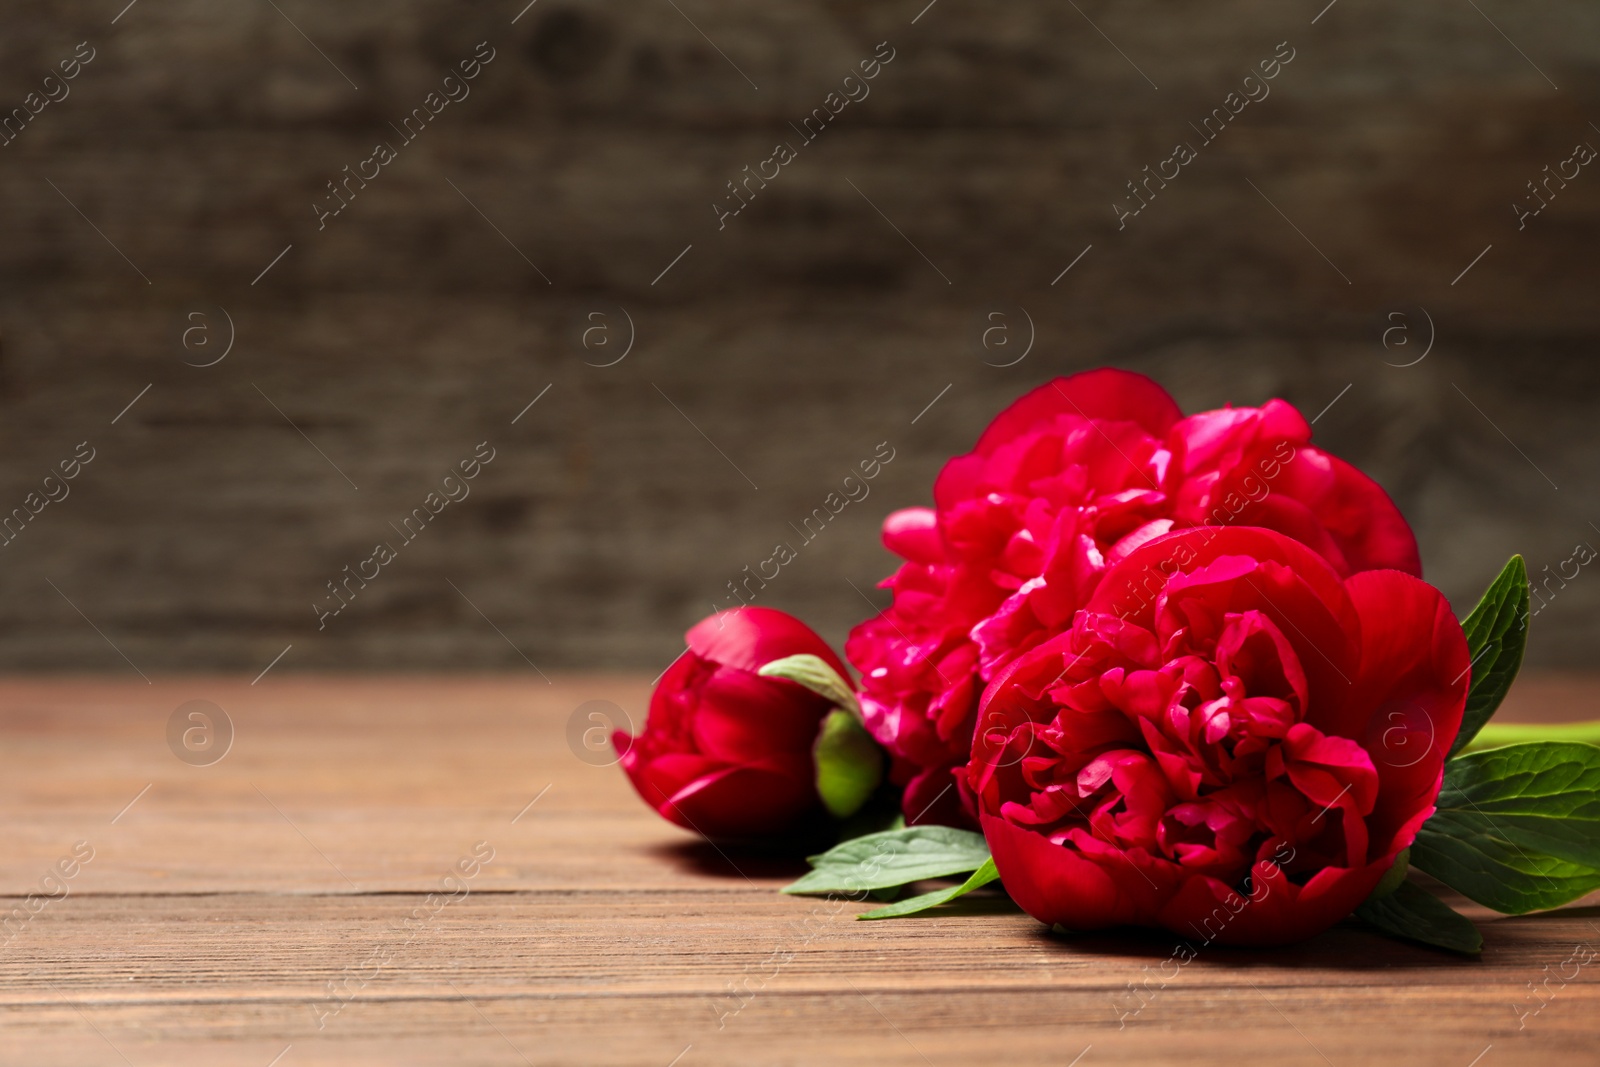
[222, 905]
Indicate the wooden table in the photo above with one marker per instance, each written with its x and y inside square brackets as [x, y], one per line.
[255, 908]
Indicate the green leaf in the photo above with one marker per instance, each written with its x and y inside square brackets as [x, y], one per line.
[1545, 796]
[893, 857]
[1394, 877]
[814, 673]
[849, 763]
[911, 905]
[1497, 632]
[1468, 853]
[1415, 914]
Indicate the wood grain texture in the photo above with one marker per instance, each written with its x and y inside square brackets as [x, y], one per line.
[218, 910]
[795, 339]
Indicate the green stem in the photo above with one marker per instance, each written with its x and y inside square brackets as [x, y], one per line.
[1496, 734]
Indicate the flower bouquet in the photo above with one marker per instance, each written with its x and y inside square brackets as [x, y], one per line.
[1141, 669]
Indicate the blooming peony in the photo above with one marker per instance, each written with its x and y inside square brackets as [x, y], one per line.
[1230, 741]
[1067, 481]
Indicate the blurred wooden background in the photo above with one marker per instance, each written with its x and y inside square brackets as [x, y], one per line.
[775, 353]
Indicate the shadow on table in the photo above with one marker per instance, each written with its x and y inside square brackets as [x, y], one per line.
[1347, 946]
[734, 861]
[1350, 945]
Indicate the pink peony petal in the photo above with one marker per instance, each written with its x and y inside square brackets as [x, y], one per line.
[1114, 395]
[1356, 512]
[740, 717]
[751, 637]
[1276, 911]
[1406, 706]
[741, 803]
[914, 534]
[1058, 885]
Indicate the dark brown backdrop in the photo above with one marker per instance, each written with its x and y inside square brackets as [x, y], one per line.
[777, 352]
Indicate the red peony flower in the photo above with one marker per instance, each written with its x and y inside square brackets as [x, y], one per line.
[1230, 742]
[726, 752]
[1064, 483]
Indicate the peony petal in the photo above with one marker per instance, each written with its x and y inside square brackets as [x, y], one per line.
[1131, 540]
[658, 779]
[742, 803]
[1002, 635]
[1357, 513]
[1130, 586]
[1253, 649]
[1114, 395]
[1290, 517]
[744, 718]
[1225, 439]
[1326, 769]
[913, 533]
[1406, 706]
[1277, 912]
[750, 637]
[672, 700]
[1254, 569]
[956, 482]
[1059, 885]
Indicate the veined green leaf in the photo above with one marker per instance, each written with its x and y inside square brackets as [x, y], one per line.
[1543, 795]
[893, 857]
[1474, 856]
[911, 905]
[1497, 632]
[1415, 914]
[814, 673]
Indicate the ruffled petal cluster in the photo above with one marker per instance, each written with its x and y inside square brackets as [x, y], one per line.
[1065, 483]
[1231, 740]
